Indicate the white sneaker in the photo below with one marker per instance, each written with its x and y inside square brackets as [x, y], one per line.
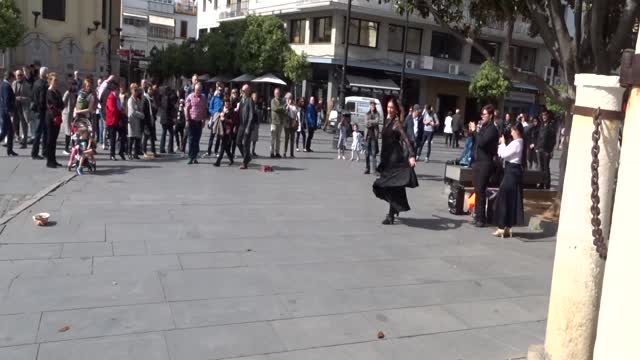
[426, 160]
[104, 147]
[65, 152]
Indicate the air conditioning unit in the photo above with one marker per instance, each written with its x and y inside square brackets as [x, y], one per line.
[427, 63]
[454, 69]
[411, 64]
[549, 75]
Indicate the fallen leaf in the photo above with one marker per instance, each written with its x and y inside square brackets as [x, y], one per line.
[64, 328]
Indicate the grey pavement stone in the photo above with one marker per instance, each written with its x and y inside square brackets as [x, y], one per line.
[31, 251]
[148, 232]
[227, 311]
[139, 347]
[213, 260]
[304, 333]
[135, 264]
[374, 350]
[18, 329]
[495, 312]
[516, 336]
[221, 342]
[134, 247]
[98, 322]
[414, 321]
[63, 293]
[187, 246]
[72, 250]
[16, 233]
[25, 352]
[48, 267]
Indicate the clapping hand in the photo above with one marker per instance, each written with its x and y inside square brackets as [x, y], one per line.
[501, 141]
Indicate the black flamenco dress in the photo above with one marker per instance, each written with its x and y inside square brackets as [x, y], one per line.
[395, 172]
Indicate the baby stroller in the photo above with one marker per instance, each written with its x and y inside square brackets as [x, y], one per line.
[84, 145]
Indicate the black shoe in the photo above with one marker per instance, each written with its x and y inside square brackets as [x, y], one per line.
[479, 224]
[272, 156]
[136, 157]
[278, 156]
[309, 150]
[58, 164]
[23, 146]
[292, 156]
[231, 163]
[11, 153]
[195, 161]
[123, 157]
[162, 152]
[37, 157]
[113, 158]
[217, 164]
[367, 172]
[388, 220]
[52, 166]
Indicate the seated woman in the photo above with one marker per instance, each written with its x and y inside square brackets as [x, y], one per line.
[509, 209]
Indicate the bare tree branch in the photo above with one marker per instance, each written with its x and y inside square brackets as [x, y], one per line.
[578, 36]
[539, 17]
[628, 17]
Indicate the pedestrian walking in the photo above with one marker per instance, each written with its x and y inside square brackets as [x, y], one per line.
[448, 129]
[195, 112]
[301, 132]
[356, 144]
[372, 121]
[342, 130]
[397, 160]
[166, 110]
[123, 122]
[430, 124]
[278, 119]
[7, 109]
[509, 209]
[457, 125]
[255, 133]
[181, 138]
[532, 139]
[216, 104]
[248, 120]
[149, 124]
[112, 119]
[226, 121]
[22, 116]
[545, 145]
[53, 119]
[312, 121]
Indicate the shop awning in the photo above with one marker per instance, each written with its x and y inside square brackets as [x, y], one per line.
[367, 82]
[223, 78]
[135, 15]
[164, 21]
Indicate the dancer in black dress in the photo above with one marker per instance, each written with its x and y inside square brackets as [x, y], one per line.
[509, 210]
[397, 160]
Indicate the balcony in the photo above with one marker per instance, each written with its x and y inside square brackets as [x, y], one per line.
[186, 8]
[234, 10]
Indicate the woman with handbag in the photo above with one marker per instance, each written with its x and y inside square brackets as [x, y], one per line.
[397, 160]
[55, 105]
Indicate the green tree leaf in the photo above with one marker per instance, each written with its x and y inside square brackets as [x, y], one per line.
[489, 84]
[11, 27]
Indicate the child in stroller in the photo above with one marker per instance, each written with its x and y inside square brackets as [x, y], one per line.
[83, 152]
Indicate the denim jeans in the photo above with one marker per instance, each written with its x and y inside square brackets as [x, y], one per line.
[372, 153]
[426, 139]
[195, 132]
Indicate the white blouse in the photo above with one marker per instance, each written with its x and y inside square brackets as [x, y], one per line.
[513, 152]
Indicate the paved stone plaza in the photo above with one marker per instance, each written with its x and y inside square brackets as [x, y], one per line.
[155, 260]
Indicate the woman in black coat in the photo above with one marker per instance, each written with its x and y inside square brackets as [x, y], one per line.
[397, 160]
[53, 119]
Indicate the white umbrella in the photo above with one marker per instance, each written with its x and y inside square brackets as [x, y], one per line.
[244, 78]
[269, 78]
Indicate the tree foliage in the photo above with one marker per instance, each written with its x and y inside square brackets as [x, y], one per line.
[488, 84]
[264, 45]
[296, 67]
[11, 27]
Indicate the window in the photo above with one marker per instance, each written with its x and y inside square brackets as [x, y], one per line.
[297, 34]
[445, 46]
[524, 58]
[396, 39]
[202, 32]
[363, 33]
[161, 32]
[134, 22]
[53, 9]
[322, 30]
[492, 47]
[183, 29]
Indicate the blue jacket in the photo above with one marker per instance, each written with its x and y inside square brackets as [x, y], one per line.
[312, 116]
[215, 105]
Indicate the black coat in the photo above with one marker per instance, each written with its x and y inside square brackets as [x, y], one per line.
[7, 98]
[457, 124]
[248, 117]
[546, 139]
[39, 96]
[486, 143]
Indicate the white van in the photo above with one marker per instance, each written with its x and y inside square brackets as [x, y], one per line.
[358, 106]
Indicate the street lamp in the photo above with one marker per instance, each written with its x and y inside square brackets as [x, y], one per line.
[96, 24]
[35, 18]
[346, 56]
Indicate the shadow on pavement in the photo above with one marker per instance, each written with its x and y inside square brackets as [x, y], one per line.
[437, 223]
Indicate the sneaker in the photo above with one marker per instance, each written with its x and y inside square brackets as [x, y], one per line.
[190, 162]
[104, 147]
[79, 171]
[426, 160]
[65, 152]
[297, 150]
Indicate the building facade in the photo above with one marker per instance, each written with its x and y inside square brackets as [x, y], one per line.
[153, 24]
[69, 35]
[438, 67]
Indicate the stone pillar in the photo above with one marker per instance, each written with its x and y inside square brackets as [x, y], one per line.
[619, 311]
[577, 269]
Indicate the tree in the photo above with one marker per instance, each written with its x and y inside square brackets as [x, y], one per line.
[11, 27]
[264, 45]
[488, 84]
[296, 67]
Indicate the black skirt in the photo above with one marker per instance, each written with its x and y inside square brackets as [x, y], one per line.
[509, 210]
[391, 184]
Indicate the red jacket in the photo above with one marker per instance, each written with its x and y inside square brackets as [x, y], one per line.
[112, 113]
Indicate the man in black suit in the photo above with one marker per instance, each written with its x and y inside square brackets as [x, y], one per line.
[7, 108]
[486, 148]
[248, 121]
[545, 143]
[457, 124]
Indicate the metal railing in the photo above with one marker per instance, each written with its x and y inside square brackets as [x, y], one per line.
[186, 9]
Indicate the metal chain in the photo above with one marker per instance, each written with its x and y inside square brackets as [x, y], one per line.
[596, 223]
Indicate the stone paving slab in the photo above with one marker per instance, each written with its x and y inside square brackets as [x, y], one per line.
[285, 265]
